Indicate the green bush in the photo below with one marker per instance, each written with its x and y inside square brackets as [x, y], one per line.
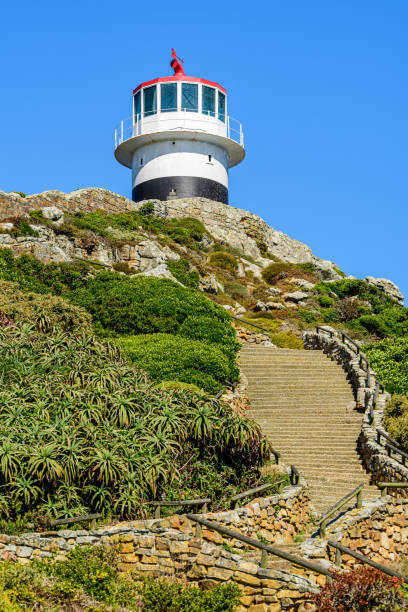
[160, 595]
[391, 321]
[168, 357]
[325, 300]
[224, 260]
[271, 272]
[181, 271]
[236, 290]
[211, 331]
[142, 305]
[389, 359]
[176, 385]
[46, 312]
[147, 209]
[20, 193]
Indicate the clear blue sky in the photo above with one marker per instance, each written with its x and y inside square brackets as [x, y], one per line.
[320, 87]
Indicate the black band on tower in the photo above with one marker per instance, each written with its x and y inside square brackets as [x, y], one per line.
[171, 187]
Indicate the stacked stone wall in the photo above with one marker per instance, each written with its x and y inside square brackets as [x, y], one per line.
[378, 531]
[170, 547]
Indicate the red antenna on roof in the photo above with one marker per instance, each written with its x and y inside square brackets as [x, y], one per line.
[176, 63]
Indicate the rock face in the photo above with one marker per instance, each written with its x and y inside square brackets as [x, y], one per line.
[387, 287]
[239, 228]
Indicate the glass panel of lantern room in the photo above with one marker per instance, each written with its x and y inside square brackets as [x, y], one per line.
[137, 100]
[168, 97]
[150, 100]
[221, 106]
[189, 97]
[209, 101]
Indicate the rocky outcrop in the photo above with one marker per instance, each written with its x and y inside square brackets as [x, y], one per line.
[387, 286]
[239, 228]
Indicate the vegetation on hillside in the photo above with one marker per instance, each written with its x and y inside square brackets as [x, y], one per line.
[86, 431]
[89, 580]
[165, 313]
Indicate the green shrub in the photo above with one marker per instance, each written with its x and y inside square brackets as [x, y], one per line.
[168, 357]
[236, 290]
[211, 331]
[20, 193]
[122, 266]
[36, 216]
[390, 322]
[147, 209]
[46, 312]
[389, 359]
[308, 316]
[176, 385]
[325, 301]
[286, 340]
[181, 271]
[224, 260]
[271, 272]
[160, 595]
[142, 305]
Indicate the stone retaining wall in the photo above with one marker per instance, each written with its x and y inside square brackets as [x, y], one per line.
[169, 547]
[379, 531]
[375, 458]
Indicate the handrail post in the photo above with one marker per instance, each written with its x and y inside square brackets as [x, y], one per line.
[205, 507]
[198, 531]
[322, 530]
[378, 437]
[359, 497]
[384, 491]
[337, 560]
[157, 512]
[264, 559]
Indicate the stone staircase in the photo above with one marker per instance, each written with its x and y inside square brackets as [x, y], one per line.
[305, 406]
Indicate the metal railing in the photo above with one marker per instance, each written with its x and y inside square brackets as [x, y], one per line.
[340, 549]
[384, 486]
[76, 519]
[236, 498]
[391, 446]
[180, 502]
[265, 548]
[179, 120]
[323, 520]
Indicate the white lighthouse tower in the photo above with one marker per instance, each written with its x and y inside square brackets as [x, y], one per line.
[180, 141]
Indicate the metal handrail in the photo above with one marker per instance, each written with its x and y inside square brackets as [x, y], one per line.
[294, 475]
[75, 519]
[249, 323]
[236, 498]
[184, 119]
[323, 520]
[391, 485]
[391, 445]
[340, 548]
[265, 548]
[180, 502]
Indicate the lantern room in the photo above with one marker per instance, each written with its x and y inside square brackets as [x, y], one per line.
[180, 141]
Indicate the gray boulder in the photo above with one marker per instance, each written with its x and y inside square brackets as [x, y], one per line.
[387, 286]
[295, 296]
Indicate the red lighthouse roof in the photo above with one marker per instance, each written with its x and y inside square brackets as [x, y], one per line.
[179, 75]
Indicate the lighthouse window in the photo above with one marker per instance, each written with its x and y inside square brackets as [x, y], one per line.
[209, 101]
[137, 104]
[150, 100]
[168, 97]
[189, 97]
[221, 106]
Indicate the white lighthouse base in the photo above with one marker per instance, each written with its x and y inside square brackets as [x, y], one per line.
[180, 169]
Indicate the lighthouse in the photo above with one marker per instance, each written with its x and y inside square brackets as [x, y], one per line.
[180, 141]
